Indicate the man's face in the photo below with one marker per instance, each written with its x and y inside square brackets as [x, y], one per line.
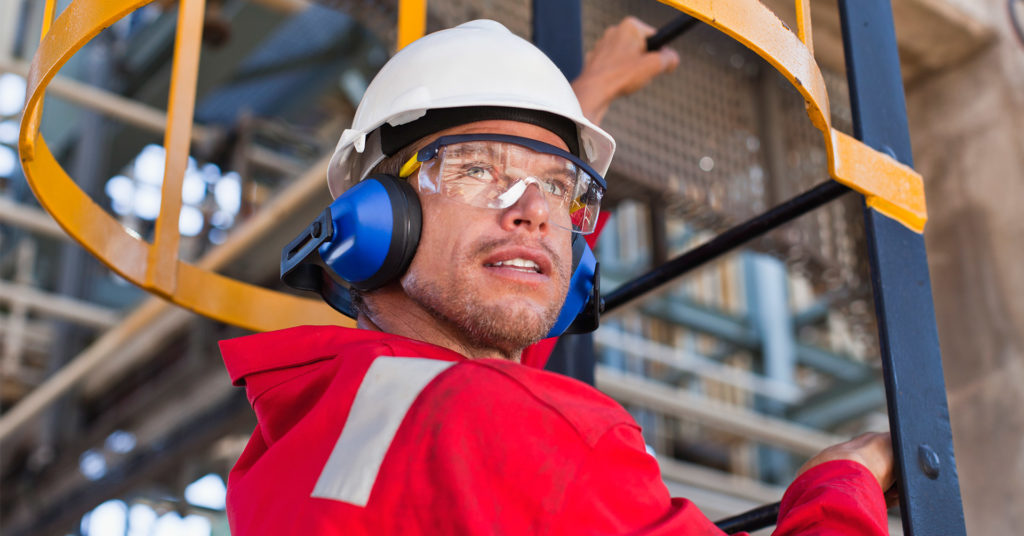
[469, 268]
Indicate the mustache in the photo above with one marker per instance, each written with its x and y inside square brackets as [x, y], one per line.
[488, 245]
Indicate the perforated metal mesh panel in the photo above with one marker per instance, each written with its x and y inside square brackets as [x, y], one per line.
[725, 137]
[703, 113]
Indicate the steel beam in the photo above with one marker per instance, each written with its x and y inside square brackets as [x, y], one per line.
[110, 104]
[30, 219]
[635, 389]
[60, 306]
[9, 17]
[127, 344]
[705, 367]
[38, 333]
[286, 7]
[558, 31]
[839, 404]
[735, 331]
[768, 306]
[64, 512]
[911, 361]
[724, 242]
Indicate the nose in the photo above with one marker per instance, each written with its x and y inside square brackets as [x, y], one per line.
[529, 212]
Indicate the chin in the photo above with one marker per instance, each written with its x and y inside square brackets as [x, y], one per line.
[509, 327]
[508, 323]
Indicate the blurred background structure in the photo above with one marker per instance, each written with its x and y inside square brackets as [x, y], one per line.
[737, 372]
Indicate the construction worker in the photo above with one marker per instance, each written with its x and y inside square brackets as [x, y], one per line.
[474, 155]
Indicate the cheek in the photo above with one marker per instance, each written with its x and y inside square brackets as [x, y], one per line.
[564, 248]
[440, 238]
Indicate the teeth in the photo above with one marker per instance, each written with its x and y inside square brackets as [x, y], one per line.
[519, 263]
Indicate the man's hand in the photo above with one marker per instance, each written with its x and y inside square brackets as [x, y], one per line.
[873, 450]
[618, 65]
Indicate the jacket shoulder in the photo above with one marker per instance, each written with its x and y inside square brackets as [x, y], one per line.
[302, 345]
[502, 388]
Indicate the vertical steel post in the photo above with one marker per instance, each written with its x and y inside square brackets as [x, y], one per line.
[558, 31]
[767, 292]
[912, 364]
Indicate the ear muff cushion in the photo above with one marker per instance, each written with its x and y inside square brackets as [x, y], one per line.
[407, 220]
[376, 231]
[581, 284]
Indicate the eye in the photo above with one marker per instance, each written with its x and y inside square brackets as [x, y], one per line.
[553, 187]
[557, 186]
[479, 173]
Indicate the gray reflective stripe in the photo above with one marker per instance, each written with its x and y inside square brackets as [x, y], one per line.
[389, 388]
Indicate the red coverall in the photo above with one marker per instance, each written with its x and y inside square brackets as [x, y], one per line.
[363, 432]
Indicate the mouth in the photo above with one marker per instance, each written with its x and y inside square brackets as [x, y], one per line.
[519, 261]
[524, 265]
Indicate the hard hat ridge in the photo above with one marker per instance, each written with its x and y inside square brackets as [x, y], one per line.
[473, 72]
[395, 138]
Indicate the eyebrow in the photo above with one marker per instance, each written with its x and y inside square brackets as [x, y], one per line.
[560, 171]
[469, 149]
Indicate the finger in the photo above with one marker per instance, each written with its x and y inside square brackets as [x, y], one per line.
[871, 438]
[669, 59]
[645, 29]
[892, 495]
[659, 61]
[652, 64]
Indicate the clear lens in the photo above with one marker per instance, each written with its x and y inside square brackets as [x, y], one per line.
[496, 175]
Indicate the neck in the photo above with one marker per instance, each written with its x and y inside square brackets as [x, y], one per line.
[392, 312]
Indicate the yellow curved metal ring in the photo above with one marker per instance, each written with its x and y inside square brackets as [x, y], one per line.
[890, 187]
[155, 267]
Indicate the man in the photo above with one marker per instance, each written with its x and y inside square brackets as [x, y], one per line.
[424, 420]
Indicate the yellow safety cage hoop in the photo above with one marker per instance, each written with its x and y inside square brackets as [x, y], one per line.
[889, 187]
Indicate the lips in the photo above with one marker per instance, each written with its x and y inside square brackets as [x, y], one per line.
[518, 264]
[522, 259]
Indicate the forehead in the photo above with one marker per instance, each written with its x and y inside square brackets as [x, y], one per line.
[508, 154]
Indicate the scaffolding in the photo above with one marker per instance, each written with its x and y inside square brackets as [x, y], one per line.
[121, 341]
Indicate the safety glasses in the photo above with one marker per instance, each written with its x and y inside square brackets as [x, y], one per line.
[495, 171]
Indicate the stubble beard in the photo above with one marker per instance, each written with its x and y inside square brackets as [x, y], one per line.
[501, 326]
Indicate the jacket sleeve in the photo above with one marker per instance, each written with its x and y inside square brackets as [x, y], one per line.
[618, 490]
[834, 498]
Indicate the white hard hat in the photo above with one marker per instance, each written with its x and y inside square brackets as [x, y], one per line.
[479, 65]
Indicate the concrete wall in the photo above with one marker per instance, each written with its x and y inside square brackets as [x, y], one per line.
[967, 128]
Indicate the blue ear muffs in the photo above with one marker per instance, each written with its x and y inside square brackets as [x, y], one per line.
[377, 228]
[368, 236]
[581, 311]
